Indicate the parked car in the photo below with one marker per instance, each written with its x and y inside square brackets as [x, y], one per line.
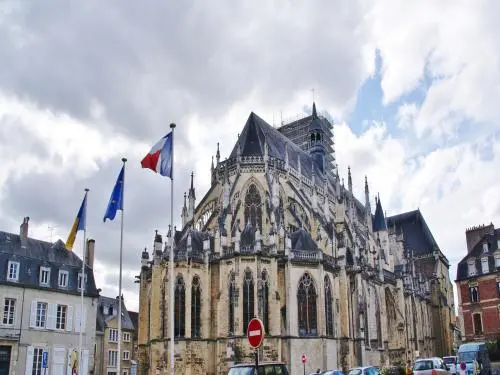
[368, 370]
[332, 372]
[265, 368]
[451, 362]
[430, 366]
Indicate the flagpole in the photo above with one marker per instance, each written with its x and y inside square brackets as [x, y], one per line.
[171, 262]
[82, 286]
[124, 160]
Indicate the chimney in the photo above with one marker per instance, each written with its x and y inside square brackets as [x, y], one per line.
[89, 256]
[23, 232]
[474, 235]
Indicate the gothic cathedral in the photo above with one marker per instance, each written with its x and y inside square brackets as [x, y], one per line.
[280, 237]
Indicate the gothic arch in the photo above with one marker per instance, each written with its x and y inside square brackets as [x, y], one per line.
[307, 306]
[196, 306]
[248, 298]
[253, 207]
[263, 299]
[180, 307]
[378, 317]
[232, 301]
[329, 307]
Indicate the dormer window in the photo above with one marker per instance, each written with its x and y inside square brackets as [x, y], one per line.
[63, 279]
[110, 310]
[485, 247]
[471, 267]
[80, 280]
[13, 271]
[45, 276]
[484, 265]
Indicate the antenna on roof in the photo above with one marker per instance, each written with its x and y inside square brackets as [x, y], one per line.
[51, 231]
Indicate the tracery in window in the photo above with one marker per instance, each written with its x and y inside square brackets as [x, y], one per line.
[328, 307]
[180, 307]
[253, 207]
[248, 299]
[307, 309]
[196, 308]
[264, 300]
[232, 302]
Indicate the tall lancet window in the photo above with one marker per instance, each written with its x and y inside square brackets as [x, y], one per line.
[264, 300]
[306, 298]
[180, 308]
[253, 207]
[248, 299]
[232, 302]
[328, 307]
[196, 308]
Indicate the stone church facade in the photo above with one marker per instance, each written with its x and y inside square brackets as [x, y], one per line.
[280, 237]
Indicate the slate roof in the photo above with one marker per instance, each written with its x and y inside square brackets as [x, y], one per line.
[417, 235]
[477, 253]
[103, 315]
[302, 240]
[134, 317]
[257, 132]
[39, 254]
[379, 222]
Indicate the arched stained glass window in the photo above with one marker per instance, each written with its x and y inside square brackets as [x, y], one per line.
[264, 300]
[307, 309]
[328, 307]
[248, 299]
[232, 302]
[253, 207]
[196, 307]
[180, 308]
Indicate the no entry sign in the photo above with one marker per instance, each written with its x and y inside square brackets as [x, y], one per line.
[255, 333]
[303, 358]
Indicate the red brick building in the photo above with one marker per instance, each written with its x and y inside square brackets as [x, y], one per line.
[478, 284]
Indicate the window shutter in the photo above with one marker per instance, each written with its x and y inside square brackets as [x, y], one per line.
[51, 315]
[85, 362]
[33, 314]
[69, 318]
[2, 300]
[78, 317]
[29, 359]
[58, 361]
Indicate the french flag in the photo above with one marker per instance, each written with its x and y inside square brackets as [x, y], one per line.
[159, 159]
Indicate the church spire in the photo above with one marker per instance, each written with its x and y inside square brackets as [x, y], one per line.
[349, 179]
[191, 199]
[217, 155]
[184, 214]
[367, 197]
[379, 223]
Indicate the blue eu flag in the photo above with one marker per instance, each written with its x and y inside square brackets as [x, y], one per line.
[116, 199]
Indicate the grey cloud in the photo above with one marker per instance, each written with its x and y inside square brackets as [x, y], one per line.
[145, 64]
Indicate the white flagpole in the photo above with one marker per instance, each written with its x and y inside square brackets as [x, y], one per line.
[124, 160]
[171, 262]
[82, 286]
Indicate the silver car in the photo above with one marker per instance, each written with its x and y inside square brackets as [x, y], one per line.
[430, 366]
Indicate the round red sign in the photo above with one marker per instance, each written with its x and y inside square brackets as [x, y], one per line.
[303, 358]
[255, 333]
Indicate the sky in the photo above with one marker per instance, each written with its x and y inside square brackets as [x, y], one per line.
[412, 87]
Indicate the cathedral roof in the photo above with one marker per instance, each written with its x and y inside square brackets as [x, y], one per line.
[379, 223]
[302, 240]
[257, 132]
[316, 123]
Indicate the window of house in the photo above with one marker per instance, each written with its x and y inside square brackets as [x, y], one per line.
[80, 280]
[471, 267]
[497, 260]
[37, 361]
[126, 355]
[61, 317]
[264, 300]
[474, 293]
[196, 307]
[478, 324]
[328, 307]
[232, 302]
[126, 336]
[484, 265]
[13, 271]
[9, 308]
[307, 310]
[41, 315]
[113, 335]
[180, 308]
[44, 275]
[63, 279]
[112, 358]
[248, 299]
[485, 247]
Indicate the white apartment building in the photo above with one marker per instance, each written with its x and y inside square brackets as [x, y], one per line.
[41, 315]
